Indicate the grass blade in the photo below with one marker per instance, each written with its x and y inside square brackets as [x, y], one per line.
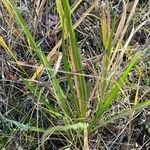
[55, 84]
[65, 56]
[37, 93]
[75, 60]
[114, 91]
[53, 51]
[7, 49]
[77, 126]
[21, 126]
[139, 106]
[105, 25]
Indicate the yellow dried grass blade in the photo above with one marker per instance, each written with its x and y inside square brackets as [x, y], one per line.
[9, 22]
[121, 23]
[53, 51]
[126, 24]
[86, 145]
[105, 25]
[8, 50]
[132, 11]
[8, 8]
[39, 12]
[77, 3]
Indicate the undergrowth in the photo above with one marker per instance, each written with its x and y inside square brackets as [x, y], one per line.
[68, 94]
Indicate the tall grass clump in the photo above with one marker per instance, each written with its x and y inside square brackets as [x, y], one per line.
[72, 106]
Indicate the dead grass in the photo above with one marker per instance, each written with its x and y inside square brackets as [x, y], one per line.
[17, 103]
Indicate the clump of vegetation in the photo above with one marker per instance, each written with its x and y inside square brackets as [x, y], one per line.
[68, 98]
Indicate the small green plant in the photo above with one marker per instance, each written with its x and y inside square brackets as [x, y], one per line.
[73, 107]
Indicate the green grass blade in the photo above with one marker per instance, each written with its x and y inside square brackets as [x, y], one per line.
[114, 91]
[110, 41]
[123, 113]
[55, 84]
[77, 126]
[65, 56]
[37, 93]
[106, 59]
[21, 126]
[80, 83]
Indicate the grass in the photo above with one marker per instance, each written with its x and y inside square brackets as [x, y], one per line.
[70, 110]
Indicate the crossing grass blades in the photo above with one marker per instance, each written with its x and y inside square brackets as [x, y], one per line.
[81, 112]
